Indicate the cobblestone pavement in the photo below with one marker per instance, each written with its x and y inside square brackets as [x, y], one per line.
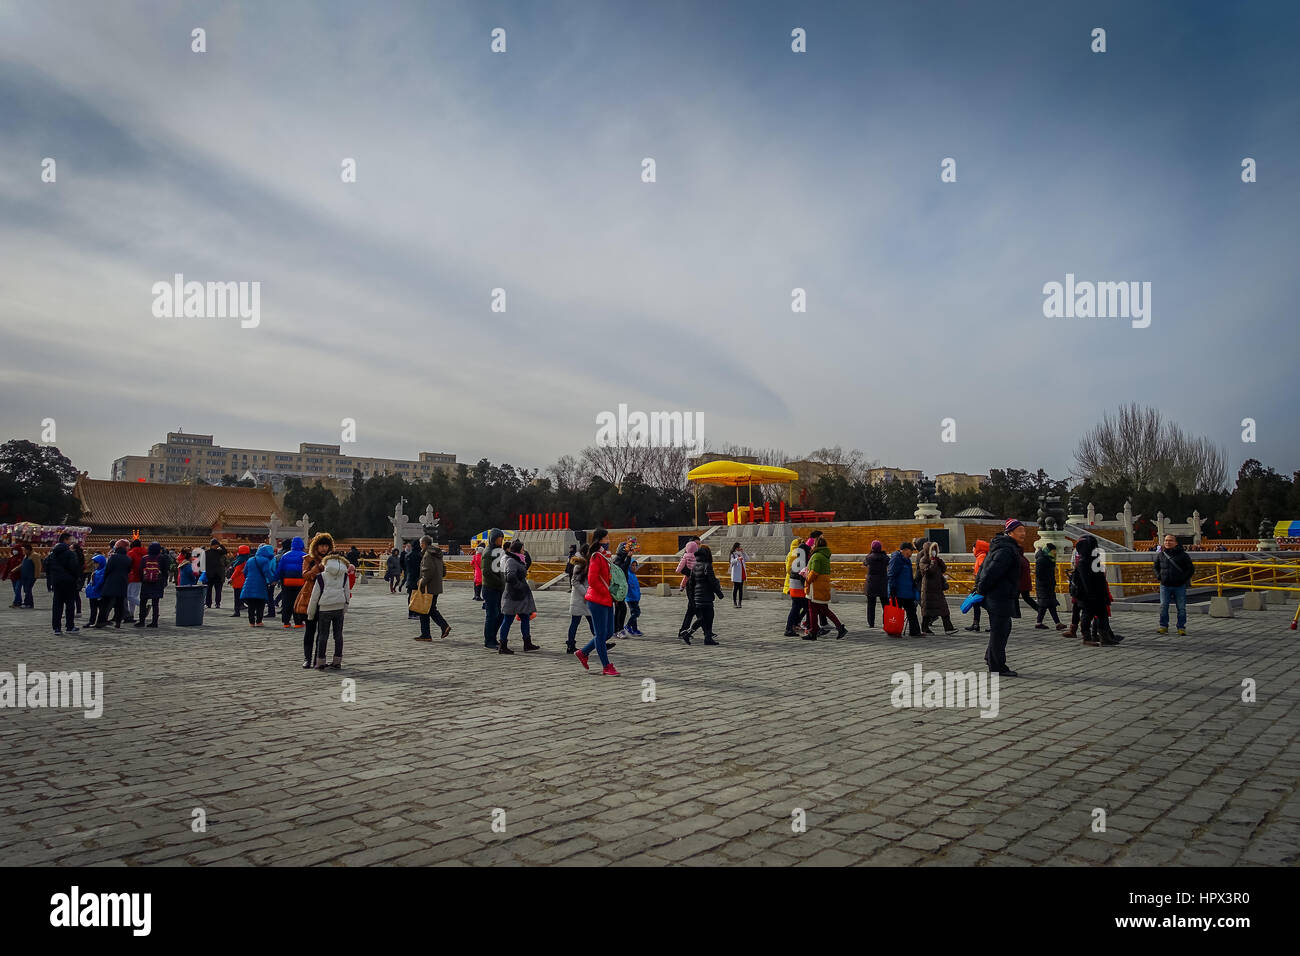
[713, 771]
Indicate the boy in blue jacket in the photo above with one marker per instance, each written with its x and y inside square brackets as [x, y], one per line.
[633, 600]
[93, 588]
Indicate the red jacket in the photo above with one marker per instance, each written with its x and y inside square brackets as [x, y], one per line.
[598, 579]
[137, 561]
[13, 566]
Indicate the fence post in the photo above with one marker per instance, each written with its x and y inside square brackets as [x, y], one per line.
[1218, 580]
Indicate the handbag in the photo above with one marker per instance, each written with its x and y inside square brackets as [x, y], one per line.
[421, 603]
[894, 618]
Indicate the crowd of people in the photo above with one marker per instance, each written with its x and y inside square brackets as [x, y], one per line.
[312, 586]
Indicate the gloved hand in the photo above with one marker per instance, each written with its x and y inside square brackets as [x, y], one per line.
[971, 600]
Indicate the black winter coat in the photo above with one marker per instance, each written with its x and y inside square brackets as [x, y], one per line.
[1045, 579]
[116, 571]
[413, 567]
[63, 567]
[877, 582]
[999, 579]
[1173, 567]
[704, 583]
[1090, 590]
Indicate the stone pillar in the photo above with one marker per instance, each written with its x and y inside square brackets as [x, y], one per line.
[1076, 515]
[1195, 522]
[1126, 518]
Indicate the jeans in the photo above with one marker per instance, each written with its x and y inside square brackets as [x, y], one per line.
[798, 608]
[1179, 595]
[325, 621]
[94, 612]
[309, 637]
[492, 616]
[999, 632]
[433, 613]
[1045, 609]
[524, 628]
[633, 613]
[602, 624]
[65, 600]
[214, 587]
[573, 629]
[18, 592]
[620, 615]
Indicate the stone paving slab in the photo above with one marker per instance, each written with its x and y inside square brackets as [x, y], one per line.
[741, 742]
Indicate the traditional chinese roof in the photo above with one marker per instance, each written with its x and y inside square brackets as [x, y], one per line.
[131, 504]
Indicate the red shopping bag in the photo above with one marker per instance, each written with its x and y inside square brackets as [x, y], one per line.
[894, 618]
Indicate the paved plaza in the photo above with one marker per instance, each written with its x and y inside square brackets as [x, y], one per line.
[740, 744]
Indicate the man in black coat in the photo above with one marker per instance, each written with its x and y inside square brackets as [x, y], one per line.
[64, 571]
[214, 566]
[412, 575]
[999, 582]
[1174, 570]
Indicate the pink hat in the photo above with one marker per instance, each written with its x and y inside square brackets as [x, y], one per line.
[1013, 524]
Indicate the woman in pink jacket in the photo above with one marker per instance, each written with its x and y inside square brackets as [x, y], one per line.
[476, 563]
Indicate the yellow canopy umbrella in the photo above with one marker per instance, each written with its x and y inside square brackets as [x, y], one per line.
[738, 474]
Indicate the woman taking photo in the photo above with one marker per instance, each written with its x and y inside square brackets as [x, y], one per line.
[599, 602]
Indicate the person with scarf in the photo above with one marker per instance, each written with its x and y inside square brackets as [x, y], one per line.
[736, 564]
[578, 608]
[516, 600]
[934, 606]
[819, 592]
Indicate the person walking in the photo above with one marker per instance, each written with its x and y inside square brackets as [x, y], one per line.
[901, 587]
[684, 567]
[153, 580]
[736, 564]
[876, 584]
[1174, 569]
[578, 608]
[432, 572]
[981, 551]
[476, 563]
[633, 600]
[934, 582]
[259, 578]
[819, 593]
[493, 566]
[214, 567]
[600, 603]
[27, 577]
[1093, 594]
[1045, 585]
[13, 573]
[999, 585]
[330, 594]
[64, 574]
[796, 563]
[705, 586]
[517, 600]
[412, 581]
[94, 589]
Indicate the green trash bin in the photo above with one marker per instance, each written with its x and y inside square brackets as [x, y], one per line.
[189, 605]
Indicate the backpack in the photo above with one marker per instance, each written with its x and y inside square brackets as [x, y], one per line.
[617, 582]
[151, 571]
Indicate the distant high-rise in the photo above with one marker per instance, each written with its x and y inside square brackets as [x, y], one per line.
[185, 457]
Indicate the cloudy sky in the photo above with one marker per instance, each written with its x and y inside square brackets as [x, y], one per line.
[522, 171]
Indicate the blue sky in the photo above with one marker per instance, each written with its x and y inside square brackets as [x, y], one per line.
[522, 171]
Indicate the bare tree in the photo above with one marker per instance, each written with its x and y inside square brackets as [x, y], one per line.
[1138, 446]
[182, 515]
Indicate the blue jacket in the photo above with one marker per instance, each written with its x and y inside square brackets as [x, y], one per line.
[633, 585]
[27, 573]
[97, 578]
[900, 577]
[259, 572]
[289, 570]
[187, 576]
